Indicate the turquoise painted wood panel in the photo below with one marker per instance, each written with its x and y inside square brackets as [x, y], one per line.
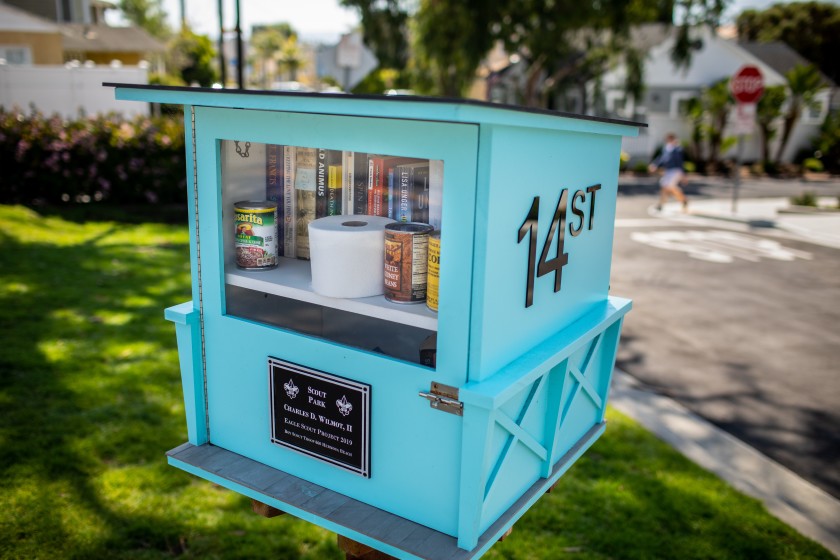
[188, 335]
[533, 372]
[411, 107]
[520, 422]
[518, 165]
[404, 427]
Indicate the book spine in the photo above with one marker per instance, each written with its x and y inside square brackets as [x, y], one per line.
[435, 192]
[403, 177]
[391, 196]
[420, 193]
[305, 187]
[347, 186]
[289, 207]
[376, 184]
[274, 187]
[334, 191]
[321, 166]
[360, 183]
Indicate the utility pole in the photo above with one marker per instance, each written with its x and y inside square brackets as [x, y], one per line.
[239, 62]
[222, 64]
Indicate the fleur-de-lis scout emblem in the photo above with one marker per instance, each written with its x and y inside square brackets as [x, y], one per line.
[344, 407]
[291, 389]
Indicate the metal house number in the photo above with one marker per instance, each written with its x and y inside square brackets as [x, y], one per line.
[560, 259]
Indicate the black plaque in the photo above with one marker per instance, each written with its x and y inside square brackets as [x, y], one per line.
[320, 415]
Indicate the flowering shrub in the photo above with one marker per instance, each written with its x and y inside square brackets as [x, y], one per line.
[102, 158]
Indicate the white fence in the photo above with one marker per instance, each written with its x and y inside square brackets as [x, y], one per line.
[67, 90]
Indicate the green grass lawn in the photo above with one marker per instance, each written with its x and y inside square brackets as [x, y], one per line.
[90, 400]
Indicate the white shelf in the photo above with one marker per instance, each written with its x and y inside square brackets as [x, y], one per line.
[292, 279]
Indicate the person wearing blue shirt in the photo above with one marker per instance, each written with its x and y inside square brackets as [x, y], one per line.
[672, 161]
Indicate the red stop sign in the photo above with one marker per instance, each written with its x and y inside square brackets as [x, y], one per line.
[747, 85]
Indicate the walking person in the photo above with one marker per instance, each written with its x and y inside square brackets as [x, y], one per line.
[672, 161]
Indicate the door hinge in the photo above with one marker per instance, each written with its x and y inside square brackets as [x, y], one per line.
[445, 398]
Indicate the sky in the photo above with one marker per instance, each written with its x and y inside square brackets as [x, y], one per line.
[314, 20]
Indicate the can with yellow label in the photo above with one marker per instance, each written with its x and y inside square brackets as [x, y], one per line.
[433, 281]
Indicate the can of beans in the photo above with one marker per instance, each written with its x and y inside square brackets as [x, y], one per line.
[433, 282]
[256, 234]
[406, 261]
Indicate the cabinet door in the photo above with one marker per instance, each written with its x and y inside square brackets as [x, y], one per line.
[251, 316]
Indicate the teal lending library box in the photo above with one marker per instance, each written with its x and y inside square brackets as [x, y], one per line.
[320, 381]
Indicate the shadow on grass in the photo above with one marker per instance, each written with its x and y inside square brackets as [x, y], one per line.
[125, 214]
[90, 400]
[631, 496]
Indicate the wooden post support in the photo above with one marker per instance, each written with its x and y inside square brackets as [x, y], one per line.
[506, 534]
[265, 510]
[357, 551]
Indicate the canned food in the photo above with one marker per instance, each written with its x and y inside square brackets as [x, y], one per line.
[406, 261]
[433, 282]
[256, 234]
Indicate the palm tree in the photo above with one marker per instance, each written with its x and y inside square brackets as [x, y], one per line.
[290, 57]
[803, 82]
[266, 43]
[767, 112]
[718, 101]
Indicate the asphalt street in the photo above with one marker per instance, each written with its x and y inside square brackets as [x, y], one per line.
[736, 323]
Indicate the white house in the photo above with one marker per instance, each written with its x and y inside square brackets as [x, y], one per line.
[668, 89]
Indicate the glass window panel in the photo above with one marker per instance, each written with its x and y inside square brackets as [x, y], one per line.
[267, 267]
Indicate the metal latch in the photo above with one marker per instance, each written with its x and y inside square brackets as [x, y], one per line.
[445, 398]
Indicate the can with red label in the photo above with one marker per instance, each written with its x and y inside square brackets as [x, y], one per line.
[406, 261]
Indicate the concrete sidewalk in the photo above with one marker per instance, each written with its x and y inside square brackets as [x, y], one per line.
[820, 227]
[800, 504]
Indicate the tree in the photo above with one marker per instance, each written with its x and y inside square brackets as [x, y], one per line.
[564, 42]
[192, 56]
[810, 28]
[803, 82]
[717, 102]
[385, 29]
[696, 114]
[767, 113]
[268, 42]
[148, 15]
[290, 57]
[828, 142]
[451, 38]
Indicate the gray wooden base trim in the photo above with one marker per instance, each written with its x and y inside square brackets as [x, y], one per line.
[391, 532]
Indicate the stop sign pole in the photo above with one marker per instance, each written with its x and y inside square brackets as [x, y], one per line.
[747, 87]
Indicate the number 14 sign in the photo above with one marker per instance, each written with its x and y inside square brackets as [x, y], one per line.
[560, 259]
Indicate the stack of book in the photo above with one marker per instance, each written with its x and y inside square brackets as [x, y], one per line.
[310, 183]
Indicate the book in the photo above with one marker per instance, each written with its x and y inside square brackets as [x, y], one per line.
[289, 205]
[321, 178]
[360, 183]
[274, 188]
[391, 196]
[435, 191]
[348, 168]
[375, 185]
[306, 161]
[334, 205]
[335, 190]
[420, 193]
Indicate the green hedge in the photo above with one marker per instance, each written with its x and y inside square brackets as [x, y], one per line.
[104, 158]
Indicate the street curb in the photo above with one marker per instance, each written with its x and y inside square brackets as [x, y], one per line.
[797, 502]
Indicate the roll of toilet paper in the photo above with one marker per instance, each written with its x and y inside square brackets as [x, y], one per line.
[347, 255]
